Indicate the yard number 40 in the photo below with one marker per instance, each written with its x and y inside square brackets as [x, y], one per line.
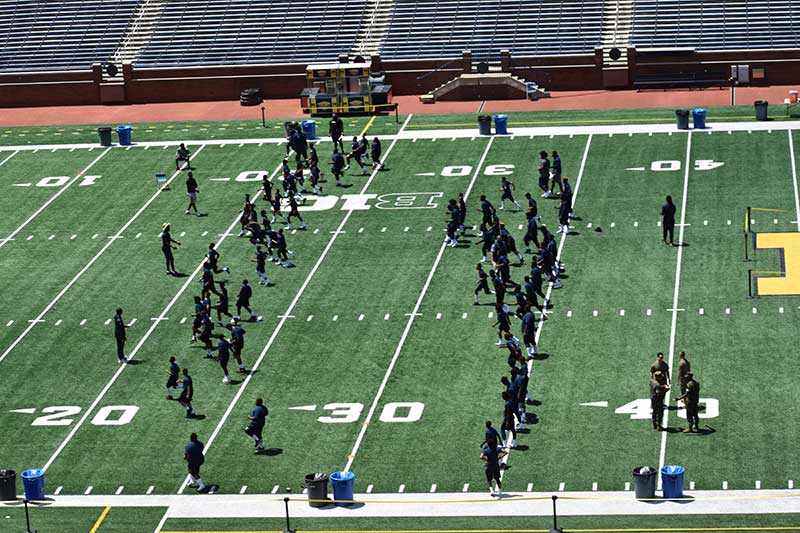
[640, 409]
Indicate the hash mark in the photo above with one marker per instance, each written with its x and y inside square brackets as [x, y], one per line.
[361, 230]
[119, 490]
[561, 486]
[58, 490]
[402, 488]
[309, 318]
[791, 484]
[701, 311]
[183, 320]
[383, 229]
[58, 322]
[727, 310]
[386, 316]
[621, 312]
[133, 321]
[88, 490]
[96, 235]
[316, 231]
[465, 488]
[275, 489]
[635, 224]
[150, 489]
[724, 485]
[613, 224]
[569, 314]
[464, 315]
[429, 228]
[72, 238]
[335, 318]
[204, 234]
[755, 310]
[780, 309]
[627, 486]
[243, 489]
[433, 487]
[29, 237]
[758, 484]
[649, 312]
[360, 317]
[594, 486]
[369, 489]
[438, 316]
[405, 229]
[691, 485]
[530, 487]
[594, 313]
[107, 322]
[491, 314]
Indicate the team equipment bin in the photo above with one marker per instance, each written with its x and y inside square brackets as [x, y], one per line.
[33, 481]
[672, 481]
[682, 118]
[644, 482]
[485, 124]
[124, 133]
[343, 487]
[317, 485]
[501, 124]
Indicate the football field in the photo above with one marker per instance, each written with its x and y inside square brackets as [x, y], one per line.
[368, 351]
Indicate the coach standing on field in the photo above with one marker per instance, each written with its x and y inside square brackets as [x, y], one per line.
[120, 335]
[668, 221]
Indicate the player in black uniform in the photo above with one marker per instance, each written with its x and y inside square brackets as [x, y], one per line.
[182, 154]
[243, 300]
[187, 393]
[452, 224]
[483, 283]
[191, 191]
[507, 188]
[213, 259]
[337, 169]
[193, 455]
[503, 323]
[261, 262]
[279, 245]
[266, 186]
[336, 130]
[376, 154]
[222, 303]
[276, 207]
[544, 174]
[491, 437]
[207, 281]
[461, 204]
[166, 248]
[223, 356]
[256, 426]
[487, 211]
[315, 175]
[120, 335]
[294, 211]
[556, 173]
[531, 232]
[491, 458]
[172, 377]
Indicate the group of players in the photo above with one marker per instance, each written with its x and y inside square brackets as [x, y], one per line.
[514, 300]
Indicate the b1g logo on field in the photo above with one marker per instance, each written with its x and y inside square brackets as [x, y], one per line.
[788, 246]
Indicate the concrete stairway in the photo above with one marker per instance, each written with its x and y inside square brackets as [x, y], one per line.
[374, 26]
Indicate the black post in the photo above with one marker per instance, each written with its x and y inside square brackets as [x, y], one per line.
[27, 518]
[263, 118]
[396, 114]
[749, 283]
[555, 517]
[288, 527]
[746, 255]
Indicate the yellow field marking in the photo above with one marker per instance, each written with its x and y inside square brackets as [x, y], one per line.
[767, 209]
[600, 530]
[102, 517]
[364, 131]
[789, 244]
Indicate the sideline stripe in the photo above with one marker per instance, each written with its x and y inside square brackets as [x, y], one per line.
[410, 322]
[278, 328]
[538, 335]
[794, 179]
[52, 198]
[673, 329]
[604, 530]
[91, 261]
[102, 517]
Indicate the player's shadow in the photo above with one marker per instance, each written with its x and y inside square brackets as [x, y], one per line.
[179, 275]
[681, 244]
[573, 232]
[270, 452]
[522, 448]
[541, 356]
[346, 185]
[197, 417]
[135, 361]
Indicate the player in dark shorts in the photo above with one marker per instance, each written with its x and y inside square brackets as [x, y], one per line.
[556, 174]
[507, 193]
[266, 187]
[531, 232]
[336, 130]
[487, 212]
[206, 330]
[172, 377]
[213, 260]
[276, 207]
[120, 335]
[294, 212]
[315, 176]
[182, 154]
[491, 458]
[223, 356]
[337, 168]
[223, 303]
[237, 342]
[244, 217]
[313, 158]
[453, 217]
[544, 174]
[503, 323]
[376, 154]
[191, 191]
[243, 300]
[193, 455]
[462, 212]
[207, 282]
[256, 426]
[261, 267]
[279, 245]
[166, 248]
[187, 393]
[483, 283]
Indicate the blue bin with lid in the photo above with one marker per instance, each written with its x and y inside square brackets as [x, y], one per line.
[124, 133]
[672, 481]
[343, 483]
[309, 129]
[699, 118]
[33, 481]
[501, 124]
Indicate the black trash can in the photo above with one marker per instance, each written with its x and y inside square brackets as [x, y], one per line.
[317, 485]
[682, 117]
[8, 485]
[105, 136]
[761, 109]
[485, 124]
[644, 482]
[250, 97]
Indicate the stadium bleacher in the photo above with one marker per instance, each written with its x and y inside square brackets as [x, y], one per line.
[723, 25]
[38, 35]
[444, 28]
[233, 32]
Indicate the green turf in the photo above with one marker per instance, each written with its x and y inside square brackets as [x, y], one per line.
[446, 362]
[81, 520]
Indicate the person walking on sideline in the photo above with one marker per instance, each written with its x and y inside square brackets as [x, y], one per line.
[120, 335]
[257, 420]
[193, 455]
[668, 221]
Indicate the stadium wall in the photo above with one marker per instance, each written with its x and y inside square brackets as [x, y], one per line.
[556, 73]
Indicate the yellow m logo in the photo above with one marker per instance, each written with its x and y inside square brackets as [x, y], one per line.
[789, 246]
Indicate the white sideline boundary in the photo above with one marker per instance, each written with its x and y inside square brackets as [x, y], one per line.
[50, 200]
[284, 318]
[132, 354]
[206, 506]
[351, 457]
[89, 264]
[794, 179]
[674, 327]
[464, 133]
[540, 326]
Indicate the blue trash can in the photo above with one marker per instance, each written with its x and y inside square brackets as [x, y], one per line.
[699, 118]
[672, 481]
[33, 481]
[309, 129]
[343, 487]
[124, 133]
[501, 124]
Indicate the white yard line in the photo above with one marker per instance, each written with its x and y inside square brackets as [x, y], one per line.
[284, 318]
[410, 322]
[131, 355]
[663, 453]
[89, 264]
[4, 161]
[51, 199]
[794, 179]
[539, 327]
